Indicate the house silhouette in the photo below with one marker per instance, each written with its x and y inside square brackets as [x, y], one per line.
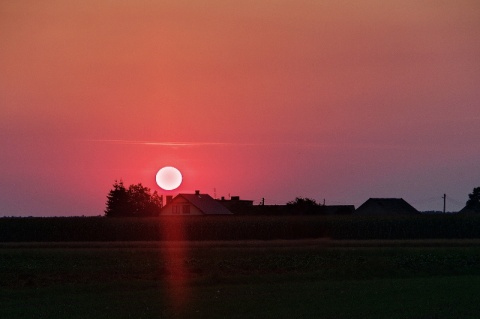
[194, 204]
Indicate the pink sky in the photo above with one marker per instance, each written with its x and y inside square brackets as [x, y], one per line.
[336, 100]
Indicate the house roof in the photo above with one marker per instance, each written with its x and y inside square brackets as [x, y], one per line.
[381, 206]
[472, 208]
[205, 203]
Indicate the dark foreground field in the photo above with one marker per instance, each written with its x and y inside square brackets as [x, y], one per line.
[241, 279]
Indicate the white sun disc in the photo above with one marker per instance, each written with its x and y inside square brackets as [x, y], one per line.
[168, 178]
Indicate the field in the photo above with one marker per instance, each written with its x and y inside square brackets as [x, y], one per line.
[200, 228]
[310, 278]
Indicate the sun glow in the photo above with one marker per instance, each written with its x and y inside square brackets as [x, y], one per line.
[168, 178]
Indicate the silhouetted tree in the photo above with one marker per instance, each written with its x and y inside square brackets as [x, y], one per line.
[142, 202]
[303, 205]
[117, 201]
[137, 200]
[473, 202]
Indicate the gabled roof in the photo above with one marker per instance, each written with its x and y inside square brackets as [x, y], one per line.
[205, 203]
[381, 206]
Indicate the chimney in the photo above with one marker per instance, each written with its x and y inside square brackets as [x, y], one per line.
[197, 192]
[169, 199]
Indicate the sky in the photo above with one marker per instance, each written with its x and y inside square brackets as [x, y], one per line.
[333, 100]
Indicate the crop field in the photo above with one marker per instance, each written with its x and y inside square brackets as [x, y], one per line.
[210, 228]
[309, 278]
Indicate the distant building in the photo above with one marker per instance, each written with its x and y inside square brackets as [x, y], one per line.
[193, 204]
[386, 206]
[236, 205]
[277, 210]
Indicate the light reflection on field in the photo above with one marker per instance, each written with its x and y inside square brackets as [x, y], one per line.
[176, 272]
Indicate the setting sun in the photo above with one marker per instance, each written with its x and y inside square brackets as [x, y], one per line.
[168, 178]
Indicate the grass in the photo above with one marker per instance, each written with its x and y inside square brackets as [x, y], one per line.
[250, 279]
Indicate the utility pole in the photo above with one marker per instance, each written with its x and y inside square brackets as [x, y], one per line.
[444, 202]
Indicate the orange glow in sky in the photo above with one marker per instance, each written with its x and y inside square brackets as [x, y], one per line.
[342, 100]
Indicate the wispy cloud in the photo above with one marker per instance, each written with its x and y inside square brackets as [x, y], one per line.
[194, 144]
[262, 144]
[160, 143]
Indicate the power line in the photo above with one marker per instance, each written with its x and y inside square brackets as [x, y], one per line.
[454, 201]
[425, 200]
